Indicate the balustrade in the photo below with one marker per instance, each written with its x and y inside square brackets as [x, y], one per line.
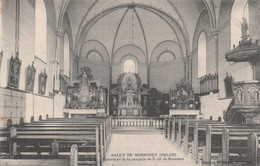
[153, 122]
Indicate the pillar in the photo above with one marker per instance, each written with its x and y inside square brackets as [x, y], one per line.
[189, 67]
[17, 27]
[148, 74]
[214, 33]
[76, 59]
[110, 74]
[184, 60]
[59, 42]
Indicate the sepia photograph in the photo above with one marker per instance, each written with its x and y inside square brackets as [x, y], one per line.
[129, 82]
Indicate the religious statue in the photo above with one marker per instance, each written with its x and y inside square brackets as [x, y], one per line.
[114, 101]
[244, 27]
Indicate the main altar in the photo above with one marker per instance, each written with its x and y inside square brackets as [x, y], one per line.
[128, 97]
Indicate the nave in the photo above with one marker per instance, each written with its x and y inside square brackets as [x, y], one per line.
[84, 81]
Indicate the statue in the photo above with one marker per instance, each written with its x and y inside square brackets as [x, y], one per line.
[244, 27]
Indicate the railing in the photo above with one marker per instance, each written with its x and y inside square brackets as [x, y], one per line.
[229, 113]
[153, 122]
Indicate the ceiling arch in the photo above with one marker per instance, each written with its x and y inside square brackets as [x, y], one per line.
[129, 50]
[166, 46]
[179, 32]
[94, 45]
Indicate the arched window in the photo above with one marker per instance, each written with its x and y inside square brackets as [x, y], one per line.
[239, 10]
[129, 66]
[66, 64]
[202, 54]
[40, 30]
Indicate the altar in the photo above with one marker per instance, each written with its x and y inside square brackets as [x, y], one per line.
[182, 102]
[85, 97]
[83, 113]
[128, 97]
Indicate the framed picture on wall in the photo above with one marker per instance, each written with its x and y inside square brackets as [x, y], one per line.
[30, 77]
[42, 83]
[14, 72]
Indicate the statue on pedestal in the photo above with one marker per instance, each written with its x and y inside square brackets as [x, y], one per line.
[244, 27]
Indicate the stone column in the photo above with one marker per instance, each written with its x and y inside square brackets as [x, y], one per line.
[76, 59]
[59, 42]
[189, 68]
[110, 74]
[214, 33]
[148, 74]
[184, 60]
[17, 27]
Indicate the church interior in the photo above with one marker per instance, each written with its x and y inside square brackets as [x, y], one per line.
[129, 82]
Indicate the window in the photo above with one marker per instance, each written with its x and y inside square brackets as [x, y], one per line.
[239, 10]
[40, 30]
[129, 66]
[202, 54]
[66, 65]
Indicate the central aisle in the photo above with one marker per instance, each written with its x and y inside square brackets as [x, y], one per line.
[149, 149]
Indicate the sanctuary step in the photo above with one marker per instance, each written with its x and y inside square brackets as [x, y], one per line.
[136, 130]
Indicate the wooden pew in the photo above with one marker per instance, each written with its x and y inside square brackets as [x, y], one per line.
[238, 141]
[106, 122]
[71, 160]
[207, 136]
[55, 141]
[5, 139]
[190, 131]
[107, 126]
[68, 123]
[253, 149]
[4, 142]
[216, 142]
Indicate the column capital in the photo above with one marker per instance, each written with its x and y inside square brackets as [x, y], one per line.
[76, 57]
[59, 33]
[214, 33]
[184, 59]
[189, 55]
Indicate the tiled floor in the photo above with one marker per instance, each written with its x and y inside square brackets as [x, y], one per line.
[149, 149]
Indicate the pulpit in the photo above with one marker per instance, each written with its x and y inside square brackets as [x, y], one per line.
[128, 96]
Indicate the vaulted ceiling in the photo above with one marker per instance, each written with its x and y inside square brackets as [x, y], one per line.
[146, 24]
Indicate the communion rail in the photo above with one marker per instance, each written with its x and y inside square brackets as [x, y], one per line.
[152, 122]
